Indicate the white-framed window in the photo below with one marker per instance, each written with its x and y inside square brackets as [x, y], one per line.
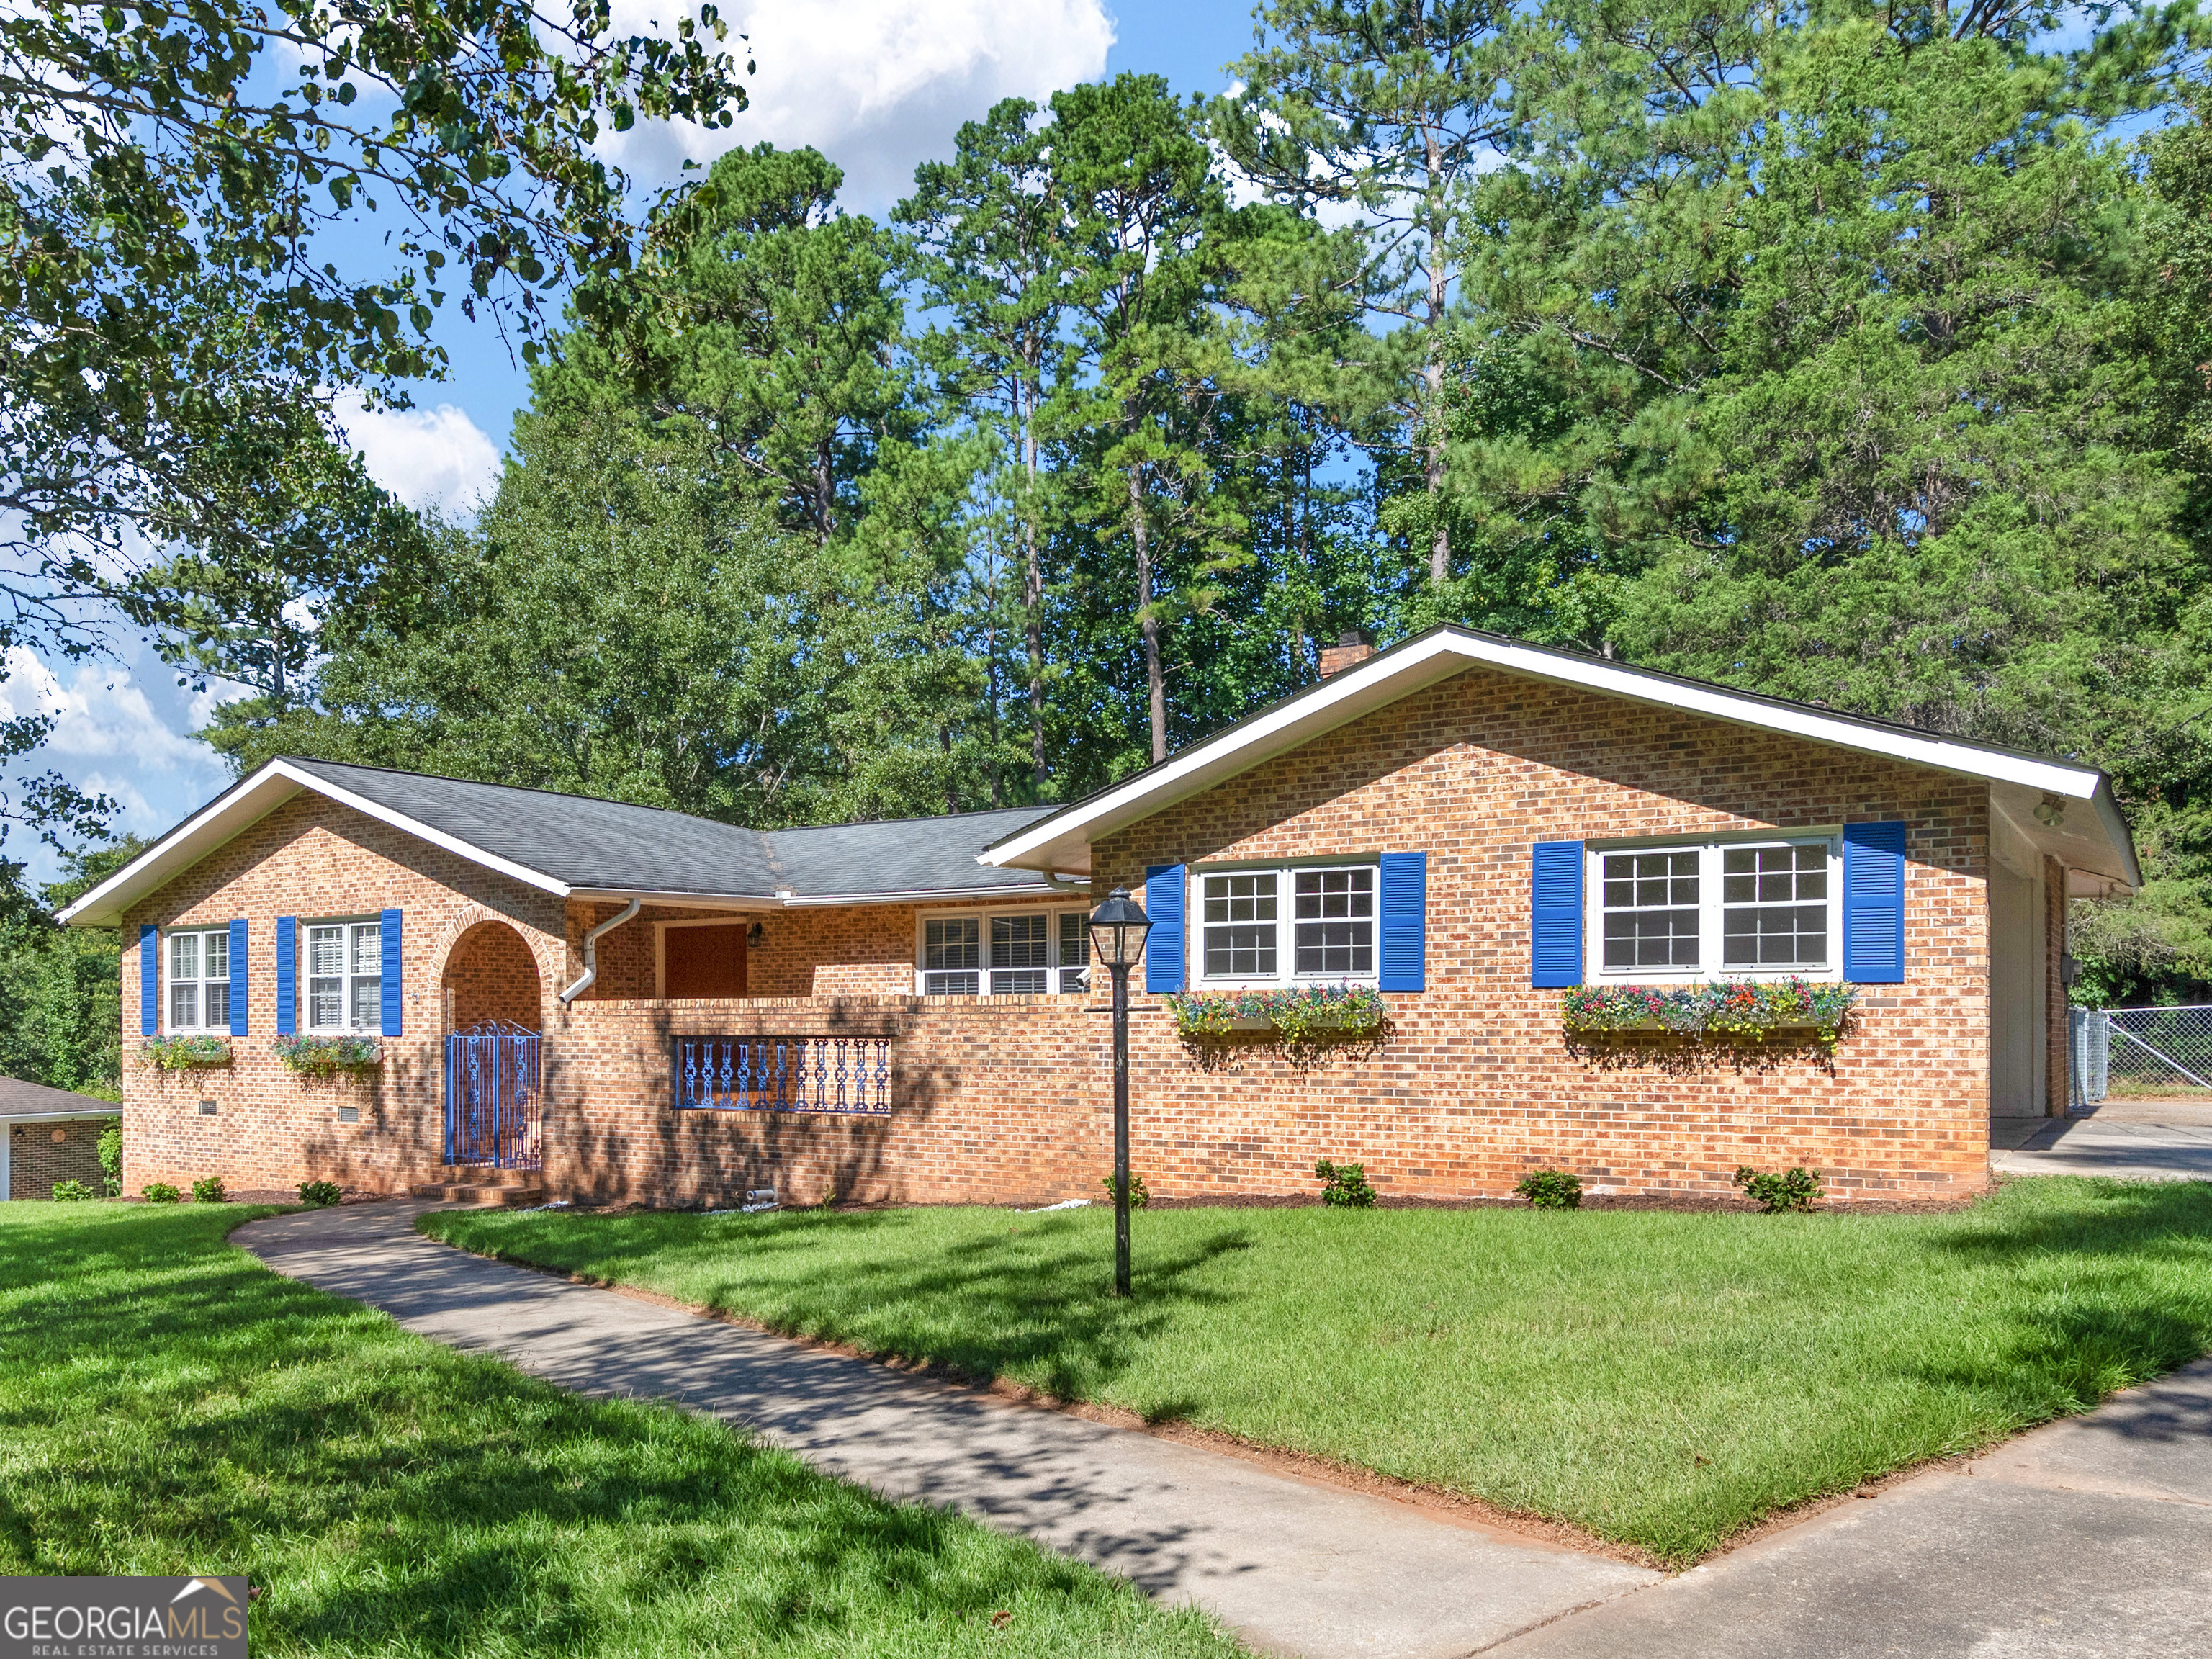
[1283, 925]
[1727, 909]
[345, 975]
[1029, 952]
[199, 980]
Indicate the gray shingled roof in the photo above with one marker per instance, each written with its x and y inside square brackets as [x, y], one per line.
[21, 1099]
[590, 843]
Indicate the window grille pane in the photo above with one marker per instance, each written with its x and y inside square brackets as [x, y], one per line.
[1021, 942]
[1240, 898]
[326, 950]
[218, 1002]
[184, 1006]
[327, 1004]
[367, 948]
[1650, 909]
[216, 951]
[184, 955]
[368, 1005]
[1335, 893]
[1074, 939]
[1336, 947]
[1334, 930]
[1020, 982]
[950, 945]
[1074, 982]
[1241, 952]
[948, 985]
[1774, 907]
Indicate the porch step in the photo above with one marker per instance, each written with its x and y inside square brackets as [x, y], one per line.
[487, 1175]
[483, 1193]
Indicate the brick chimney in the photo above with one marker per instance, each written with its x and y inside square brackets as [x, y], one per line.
[1350, 647]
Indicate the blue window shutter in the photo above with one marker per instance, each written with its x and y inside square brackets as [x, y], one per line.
[1405, 921]
[1874, 903]
[388, 993]
[238, 979]
[1555, 933]
[1163, 945]
[150, 980]
[288, 975]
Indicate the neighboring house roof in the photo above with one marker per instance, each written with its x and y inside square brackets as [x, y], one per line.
[574, 845]
[2094, 838]
[20, 1099]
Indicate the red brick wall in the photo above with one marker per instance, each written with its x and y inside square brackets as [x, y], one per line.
[36, 1159]
[1008, 1099]
[492, 976]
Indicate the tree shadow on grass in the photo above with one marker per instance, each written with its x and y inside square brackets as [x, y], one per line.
[171, 1405]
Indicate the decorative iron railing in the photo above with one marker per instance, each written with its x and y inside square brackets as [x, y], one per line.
[494, 1101]
[782, 1074]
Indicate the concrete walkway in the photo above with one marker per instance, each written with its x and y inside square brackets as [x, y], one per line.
[1294, 1566]
[2091, 1537]
[2135, 1139]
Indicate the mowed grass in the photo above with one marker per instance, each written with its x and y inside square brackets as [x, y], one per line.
[169, 1406]
[1661, 1379]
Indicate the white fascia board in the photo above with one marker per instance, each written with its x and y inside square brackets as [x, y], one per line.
[1396, 673]
[675, 900]
[935, 895]
[238, 809]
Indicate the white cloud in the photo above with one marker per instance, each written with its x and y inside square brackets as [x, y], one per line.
[100, 713]
[876, 85]
[429, 458]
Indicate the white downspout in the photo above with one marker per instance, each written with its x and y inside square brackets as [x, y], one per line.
[592, 951]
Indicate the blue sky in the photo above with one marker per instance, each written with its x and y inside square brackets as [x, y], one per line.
[878, 85]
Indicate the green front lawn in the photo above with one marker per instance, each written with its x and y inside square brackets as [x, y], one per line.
[167, 1405]
[1662, 1379]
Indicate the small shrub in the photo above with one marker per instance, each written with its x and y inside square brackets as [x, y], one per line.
[160, 1192]
[208, 1189]
[1138, 1198]
[319, 1194]
[72, 1192]
[1794, 1189]
[111, 1158]
[1551, 1190]
[1345, 1185]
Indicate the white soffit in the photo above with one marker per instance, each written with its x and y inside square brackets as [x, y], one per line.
[238, 809]
[1063, 841]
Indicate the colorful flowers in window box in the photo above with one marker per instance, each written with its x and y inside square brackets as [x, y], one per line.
[185, 1053]
[1303, 1013]
[326, 1056]
[1744, 1009]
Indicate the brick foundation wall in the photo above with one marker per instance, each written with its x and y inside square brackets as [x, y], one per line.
[36, 1160]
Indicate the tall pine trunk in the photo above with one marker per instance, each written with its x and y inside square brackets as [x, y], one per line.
[1033, 592]
[1432, 375]
[1148, 624]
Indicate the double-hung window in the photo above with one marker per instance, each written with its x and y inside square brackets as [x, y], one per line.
[1718, 909]
[199, 980]
[345, 976]
[1037, 952]
[1293, 924]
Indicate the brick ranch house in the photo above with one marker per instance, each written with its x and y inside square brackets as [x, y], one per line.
[670, 1011]
[48, 1135]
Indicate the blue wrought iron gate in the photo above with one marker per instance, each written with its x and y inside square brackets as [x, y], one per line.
[494, 1097]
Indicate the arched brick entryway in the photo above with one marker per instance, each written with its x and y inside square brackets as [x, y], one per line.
[491, 976]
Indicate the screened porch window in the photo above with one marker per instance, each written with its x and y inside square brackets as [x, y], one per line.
[1030, 953]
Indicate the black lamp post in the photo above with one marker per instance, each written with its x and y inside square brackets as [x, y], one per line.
[1117, 933]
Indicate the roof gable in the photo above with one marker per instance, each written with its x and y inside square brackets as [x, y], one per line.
[2100, 841]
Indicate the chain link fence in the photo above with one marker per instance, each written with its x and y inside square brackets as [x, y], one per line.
[2141, 1051]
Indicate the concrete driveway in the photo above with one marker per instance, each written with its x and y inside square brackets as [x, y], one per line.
[2135, 1139]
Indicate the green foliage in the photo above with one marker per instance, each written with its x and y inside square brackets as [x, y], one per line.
[1551, 1190]
[1661, 1378]
[1774, 1192]
[61, 1012]
[72, 1192]
[1138, 1198]
[318, 1194]
[208, 1189]
[455, 1497]
[111, 1157]
[1748, 1010]
[160, 1192]
[1303, 1013]
[1344, 1186]
[184, 1054]
[327, 1056]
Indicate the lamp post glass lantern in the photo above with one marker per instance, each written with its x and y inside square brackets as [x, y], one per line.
[1117, 933]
